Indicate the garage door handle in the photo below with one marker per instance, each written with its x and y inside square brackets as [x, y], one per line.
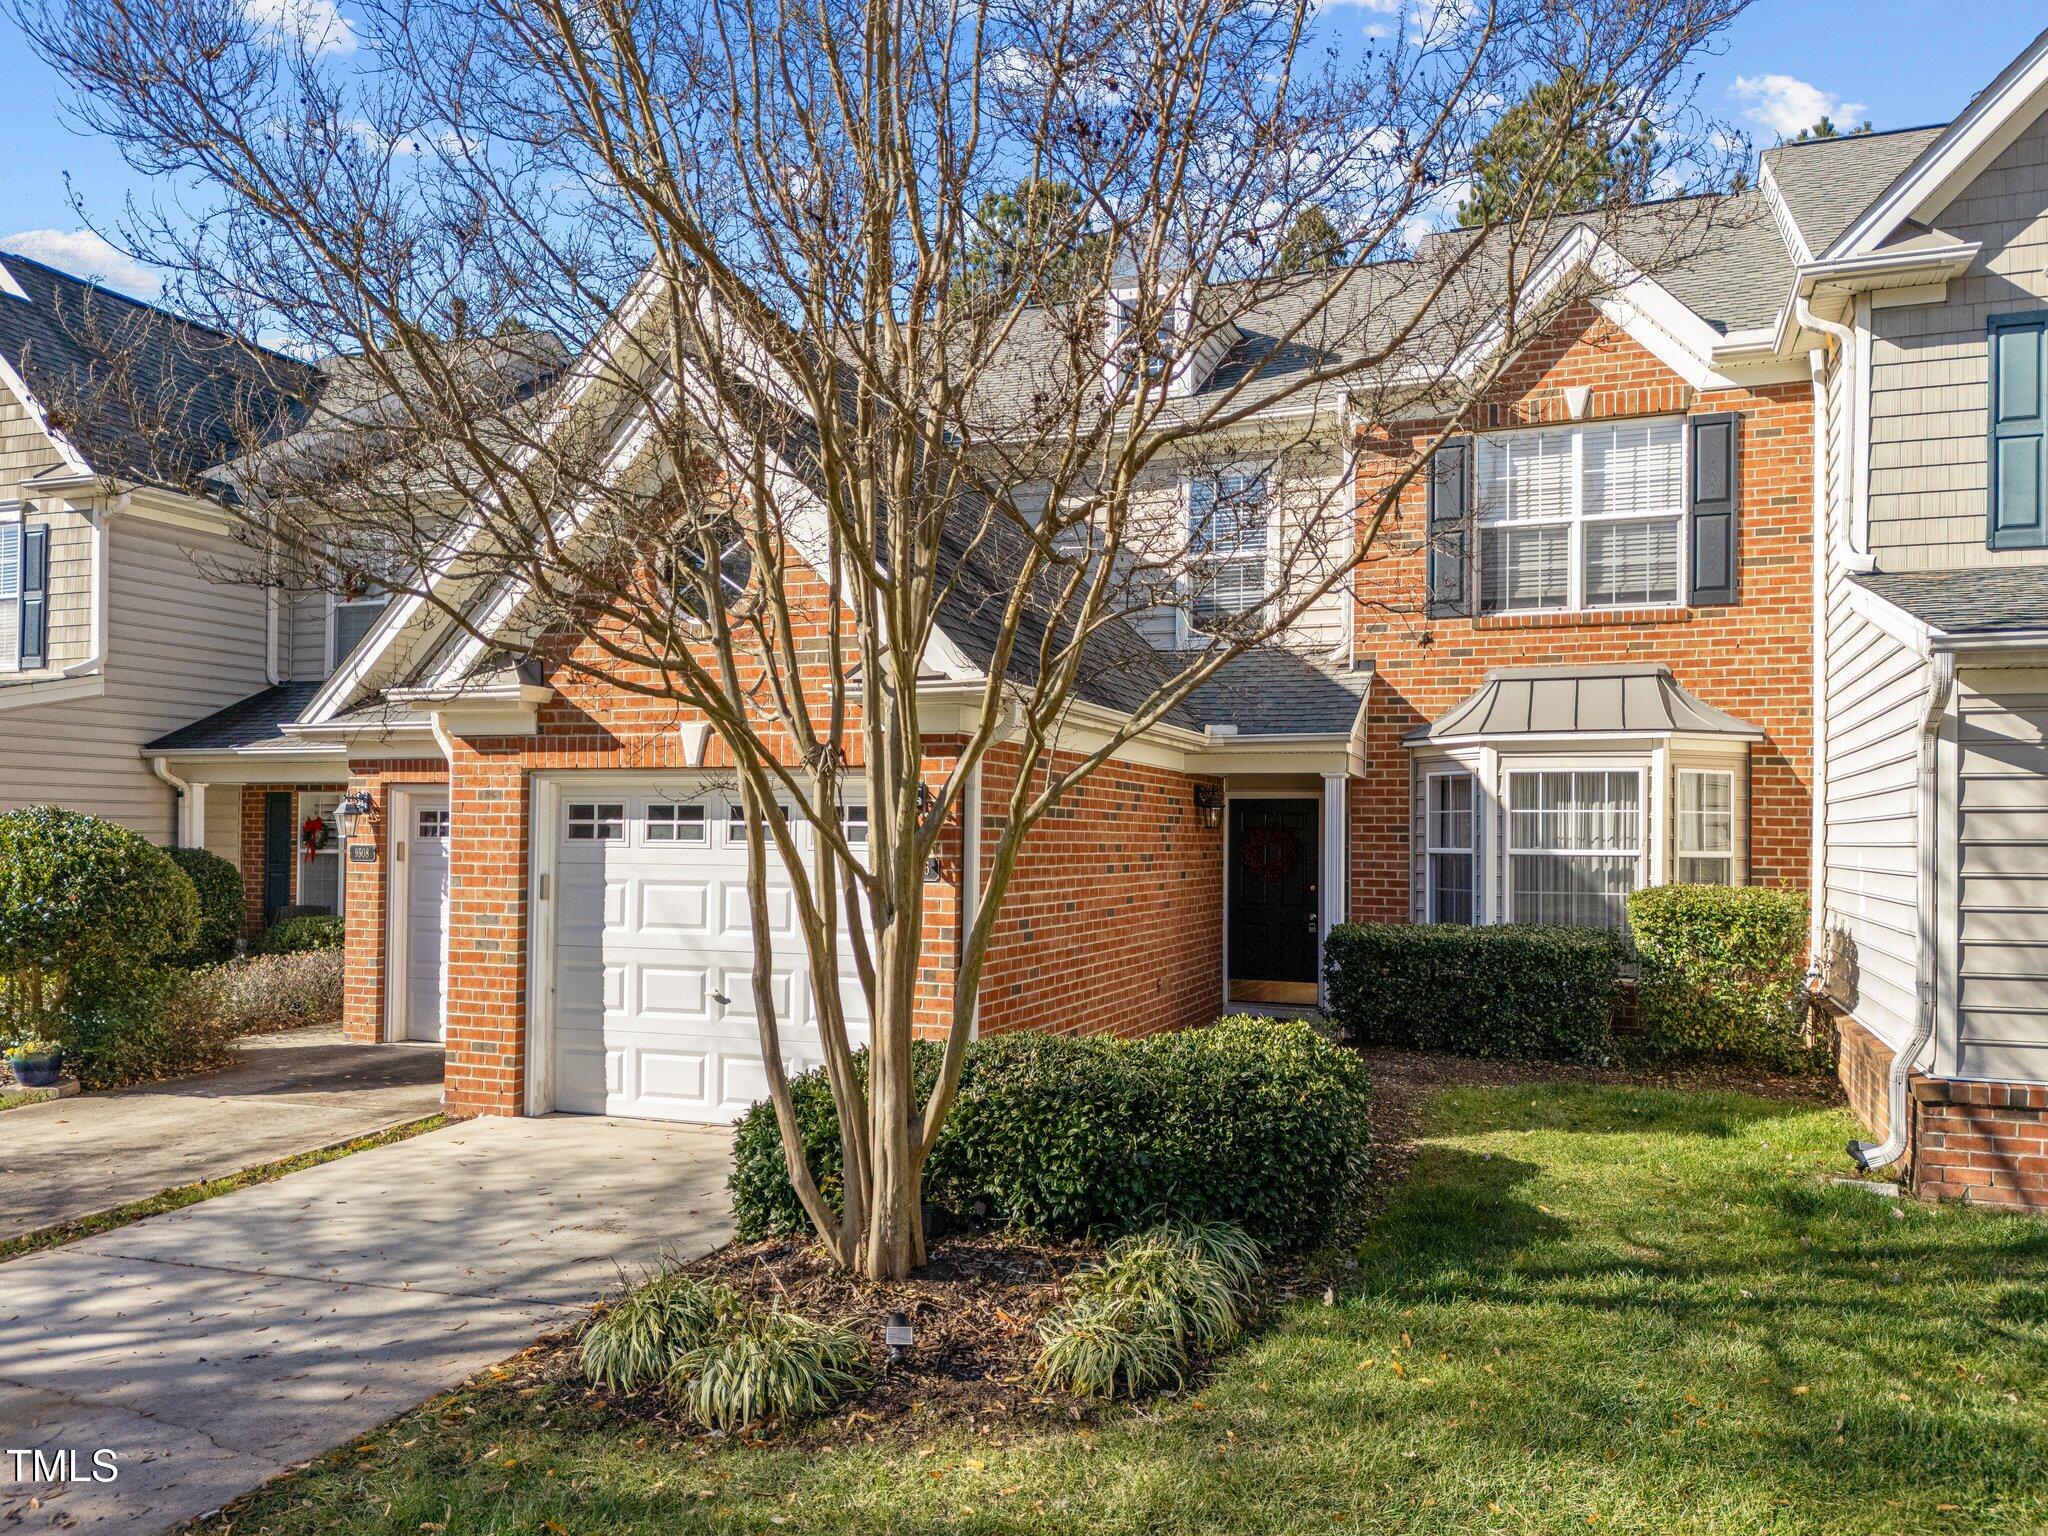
[722, 1000]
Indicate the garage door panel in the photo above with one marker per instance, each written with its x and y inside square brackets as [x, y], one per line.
[675, 992]
[652, 926]
[674, 908]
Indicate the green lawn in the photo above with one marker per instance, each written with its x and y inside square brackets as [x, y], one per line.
[1618, 1309]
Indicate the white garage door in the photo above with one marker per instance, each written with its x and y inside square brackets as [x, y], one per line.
[654, 956]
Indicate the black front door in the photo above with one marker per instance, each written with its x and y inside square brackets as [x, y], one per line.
[280, 846]
[1274, 917]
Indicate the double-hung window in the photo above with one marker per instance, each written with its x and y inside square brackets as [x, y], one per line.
[1706, 827]
[1575, 845]
[1449, 827]
[10, 592]
[1581, 517]
[1229, 528]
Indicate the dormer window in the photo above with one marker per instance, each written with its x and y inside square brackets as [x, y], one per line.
[1154, 351]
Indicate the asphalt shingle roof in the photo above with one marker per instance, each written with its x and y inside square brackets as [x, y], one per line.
[142, 394]
[1968, 602]
[257, 721]
[1827, 183]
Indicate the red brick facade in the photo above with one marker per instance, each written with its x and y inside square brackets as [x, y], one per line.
[252, 804]
[1753, 658]
[1986, 1143]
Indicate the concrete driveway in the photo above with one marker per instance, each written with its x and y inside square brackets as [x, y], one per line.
[287, 1093]
[215, 1347]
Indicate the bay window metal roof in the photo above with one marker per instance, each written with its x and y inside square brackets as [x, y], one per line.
[1580, 701]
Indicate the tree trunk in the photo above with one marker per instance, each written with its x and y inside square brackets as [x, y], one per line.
[895, 1235]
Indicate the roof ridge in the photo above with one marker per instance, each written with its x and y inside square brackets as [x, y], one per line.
[96, 286]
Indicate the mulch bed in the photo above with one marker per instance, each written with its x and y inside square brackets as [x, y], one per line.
[974, 1308]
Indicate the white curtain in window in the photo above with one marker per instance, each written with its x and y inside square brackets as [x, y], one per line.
[1449, 824]
[1574, 845]
[1706, 828]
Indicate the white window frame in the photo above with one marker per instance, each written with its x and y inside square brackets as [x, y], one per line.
[1644, 775]
[1680, 854]
[1431, 848]
[1577, 520]
[12, 521]
[676, 824]
[1245, 469]
[596, 814]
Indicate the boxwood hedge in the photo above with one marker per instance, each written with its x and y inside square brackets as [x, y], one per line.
[1721, 972]
[1250, 1121]
[1506, 992]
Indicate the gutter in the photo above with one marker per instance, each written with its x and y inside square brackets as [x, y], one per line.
[183, 790]
[1856, 556]
[1868, 1155]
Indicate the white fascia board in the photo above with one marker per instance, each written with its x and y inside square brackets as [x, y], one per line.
[72, 460]
[55, 690]
[1781, 215]
[298, 765]
[583, 376]
[1987, 127]
[1888, 618]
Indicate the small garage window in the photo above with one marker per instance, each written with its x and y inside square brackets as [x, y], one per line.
[433, 822]
[597, 822]
[675, 824]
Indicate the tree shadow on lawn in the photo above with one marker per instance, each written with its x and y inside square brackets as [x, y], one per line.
[1603, 1110]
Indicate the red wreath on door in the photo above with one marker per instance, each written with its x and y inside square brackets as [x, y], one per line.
[1269, 853]
[314, 834]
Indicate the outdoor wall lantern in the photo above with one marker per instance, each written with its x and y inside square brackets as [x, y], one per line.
[1209, 801]
[354, 805]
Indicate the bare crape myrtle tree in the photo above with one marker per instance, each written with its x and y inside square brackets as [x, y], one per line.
[742, 351]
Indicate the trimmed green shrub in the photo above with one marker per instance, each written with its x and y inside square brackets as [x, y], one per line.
[1721, 975]
[765, 1364]
[270, 992]
[78, 895]
[218, 885]
[1250, 1121]
[297, 935]
[634, 1343]
[1507, 992]
[136, 1023]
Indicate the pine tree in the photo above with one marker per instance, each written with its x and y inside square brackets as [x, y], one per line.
[1560, 149]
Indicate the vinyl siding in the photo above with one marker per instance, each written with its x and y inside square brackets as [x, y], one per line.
[2001, 985]
[179, 646]
[25, 451]
[1929, 374]
[224, 823]
[302, 636]
[1307, 540]
[1876, 695]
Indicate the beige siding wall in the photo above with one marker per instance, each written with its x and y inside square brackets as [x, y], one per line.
[302, 637]
[1929, 377]
[25, 451]
[179, 646]
[224, 822]
[1313, 506]
[1877, 690]
[2001, 877]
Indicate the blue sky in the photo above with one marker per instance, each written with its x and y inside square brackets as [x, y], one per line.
[1899, 63]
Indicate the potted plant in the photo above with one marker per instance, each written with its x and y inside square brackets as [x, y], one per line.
[36, 1063]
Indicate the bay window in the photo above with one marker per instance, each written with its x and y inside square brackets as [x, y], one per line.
[1574, 845]
[1581, 517]
[1229, 525]
[1449, 824]
[1706, 828]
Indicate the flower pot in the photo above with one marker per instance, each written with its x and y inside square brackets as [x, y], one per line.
[36, 1069]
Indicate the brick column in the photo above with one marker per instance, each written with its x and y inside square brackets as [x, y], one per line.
[489, 800]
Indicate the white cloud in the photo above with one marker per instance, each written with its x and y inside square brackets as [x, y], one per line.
[84, 254]
[443, 141]
[316, 25]
[1785, 104]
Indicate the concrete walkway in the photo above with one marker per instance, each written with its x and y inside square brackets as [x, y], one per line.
[288, 1093]
[215, 1347]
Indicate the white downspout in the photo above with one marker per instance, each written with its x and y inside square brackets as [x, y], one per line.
[183, 790]
[1823, 528]
[99, 521]
[1856, 556]
[1940, 686]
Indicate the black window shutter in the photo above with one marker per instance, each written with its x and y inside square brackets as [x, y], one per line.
[280, 845]
[1450, 530]
[35, 597]
[1712, 490]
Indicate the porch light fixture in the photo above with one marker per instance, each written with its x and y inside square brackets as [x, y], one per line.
[354, 805]
[1209, 801]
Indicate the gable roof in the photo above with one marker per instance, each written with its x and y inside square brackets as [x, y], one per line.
[1824, 184]
[140, 393]
[254, 722]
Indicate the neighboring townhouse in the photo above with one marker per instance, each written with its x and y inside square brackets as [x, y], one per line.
[124, 613]
[1579, 663]
[1923, 305]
